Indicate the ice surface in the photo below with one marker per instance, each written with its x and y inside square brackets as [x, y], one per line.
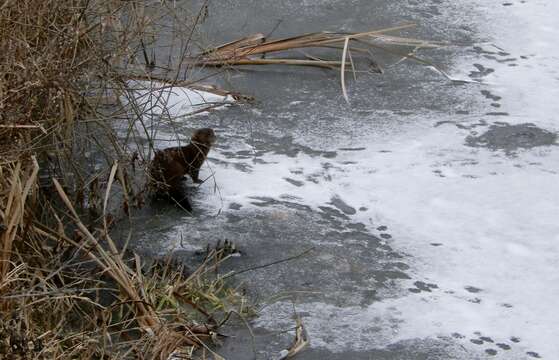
[480, 224]
[493, 216]
[496, 219]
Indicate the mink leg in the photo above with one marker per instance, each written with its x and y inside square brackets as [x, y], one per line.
[194, 174]
[180, 196]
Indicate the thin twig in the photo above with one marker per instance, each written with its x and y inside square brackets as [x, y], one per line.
[252, 268]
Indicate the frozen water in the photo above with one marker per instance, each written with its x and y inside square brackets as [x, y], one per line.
[455, 186]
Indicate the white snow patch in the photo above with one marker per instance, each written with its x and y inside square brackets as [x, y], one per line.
[175, 101]
[165, 108]
[496, 219]
[361, 329]
[526, 64]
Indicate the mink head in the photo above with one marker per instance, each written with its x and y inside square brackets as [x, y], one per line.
[204, 136]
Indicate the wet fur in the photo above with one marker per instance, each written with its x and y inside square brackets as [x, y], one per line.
[169, 166]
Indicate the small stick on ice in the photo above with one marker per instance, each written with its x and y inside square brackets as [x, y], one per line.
[342, 69]
[298, 344]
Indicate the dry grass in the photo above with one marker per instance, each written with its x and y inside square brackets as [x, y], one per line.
[66, 289]
[254, 50]
[247, 51]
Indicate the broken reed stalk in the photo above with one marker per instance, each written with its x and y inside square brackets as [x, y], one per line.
[252, 49]
[244, 51]
[342, 70]
[190, 84]
[297, 62]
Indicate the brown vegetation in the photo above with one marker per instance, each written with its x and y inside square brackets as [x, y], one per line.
[66, 289]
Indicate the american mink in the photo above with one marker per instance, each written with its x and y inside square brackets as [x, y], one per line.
[170, 165]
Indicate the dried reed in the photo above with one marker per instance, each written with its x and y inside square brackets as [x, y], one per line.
[252, 50]
[66, 288]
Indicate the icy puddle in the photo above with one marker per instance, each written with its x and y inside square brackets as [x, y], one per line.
[431, 208]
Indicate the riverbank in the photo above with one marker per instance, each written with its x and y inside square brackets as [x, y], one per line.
[68, 289]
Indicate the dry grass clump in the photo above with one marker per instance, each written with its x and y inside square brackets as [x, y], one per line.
[252, 50]
[42, 64]
[67, 290]
[257, 49]
[69, 296]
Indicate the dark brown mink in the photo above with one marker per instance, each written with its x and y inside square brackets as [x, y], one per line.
[169, 166]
